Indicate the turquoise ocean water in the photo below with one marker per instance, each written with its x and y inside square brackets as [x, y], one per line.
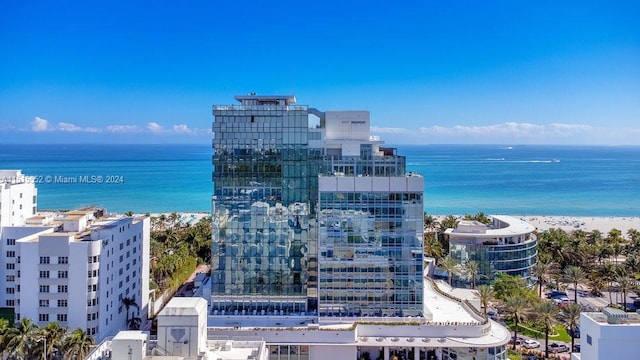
[517, 180]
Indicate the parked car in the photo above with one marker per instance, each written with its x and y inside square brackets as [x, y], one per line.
[575, 333]
[531, 344]
[561, 300]
[555, 293]
[492, 315]
[576, 348]
[558, 348]
[636, 303]
[517, 340]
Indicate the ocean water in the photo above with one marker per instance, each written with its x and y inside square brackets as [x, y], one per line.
[517, 180]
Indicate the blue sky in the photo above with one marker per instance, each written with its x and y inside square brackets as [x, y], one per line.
[506, 72]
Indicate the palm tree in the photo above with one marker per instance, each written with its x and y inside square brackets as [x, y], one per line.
[17, 340]
[472, 268]
[518, 308]
[541, 270]
[623, 283]
[575, 275]
[449, 222]
[614, 237]
[450, 266]
[128, 302]
[432, 247]
[77, 345]
[485, 293]
[547, 313]
[53, 334]
[571, 318]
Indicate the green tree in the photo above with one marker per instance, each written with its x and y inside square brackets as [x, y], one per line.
[471, 268]
[506, 286]
[480, 217]
[450, 266]
[572, 317]
[623, 284]
[547, 313]
[17, 341]
[575, 275]
[129, 302]
[486, 294]
[541, 270]
[77, 345]
[517, 309]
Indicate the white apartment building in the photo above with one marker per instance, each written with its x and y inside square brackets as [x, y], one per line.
[76, 268]
[610, 334]
[18, 197]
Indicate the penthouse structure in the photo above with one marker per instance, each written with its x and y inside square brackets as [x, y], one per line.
[317, 242]
[507, 245]
[76, 268]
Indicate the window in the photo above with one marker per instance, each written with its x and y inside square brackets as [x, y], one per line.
[63, 260]
[44, 274]
[11, 253]
[44, 259]
[128, 242]
[63, 288]
[11, 278]
[18, 260]
[89, 273]
[128, 254]
[121, 246]
[11, 241]
[62, 317]
[11, 266]
[10, 303]
[10, 291]
[63, 274]
[121, 258]
[44, 288]
[88, 288]
[63, 303]
[43, 317]
[589, 339]
[44, 303]
[18, 273]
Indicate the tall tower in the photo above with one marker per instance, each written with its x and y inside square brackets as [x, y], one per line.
[311, 217]
[262, 242]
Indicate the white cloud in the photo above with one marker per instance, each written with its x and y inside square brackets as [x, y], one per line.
[62, 126]
[39, 124]
[181, 129]
[389, 130]
[154, 127]
[123, 128]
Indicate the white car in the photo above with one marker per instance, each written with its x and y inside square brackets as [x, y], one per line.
[531, 344]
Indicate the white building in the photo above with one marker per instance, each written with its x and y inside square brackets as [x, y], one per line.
[18, 197]
[76, 269]
[611, 334]
[182, 334]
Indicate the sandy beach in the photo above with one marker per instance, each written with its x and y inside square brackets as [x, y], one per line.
[585, 223]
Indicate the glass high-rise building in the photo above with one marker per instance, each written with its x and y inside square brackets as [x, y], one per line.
[312, 216]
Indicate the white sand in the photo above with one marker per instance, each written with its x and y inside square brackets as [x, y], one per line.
[586, 223]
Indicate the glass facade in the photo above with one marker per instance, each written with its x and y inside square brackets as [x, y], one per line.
[269, 217]
[370, 256]
[262, 242]
[512, 259]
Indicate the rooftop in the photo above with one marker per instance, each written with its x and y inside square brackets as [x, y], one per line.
[502, 225]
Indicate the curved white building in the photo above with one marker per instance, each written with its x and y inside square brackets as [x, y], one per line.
[508, 245]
